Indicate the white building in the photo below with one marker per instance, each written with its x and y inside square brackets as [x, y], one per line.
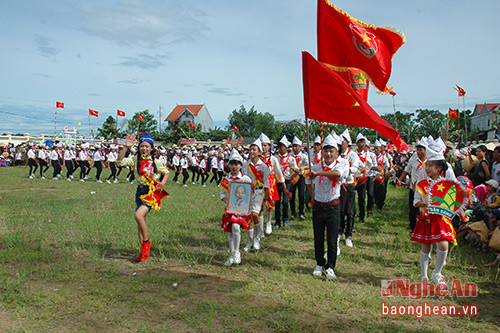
[485, 119]
[196, 114]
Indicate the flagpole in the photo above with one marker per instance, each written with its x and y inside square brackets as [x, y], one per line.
[394, 108]
[308, 144]
[465, 119]
[55, 122]
[89, 126]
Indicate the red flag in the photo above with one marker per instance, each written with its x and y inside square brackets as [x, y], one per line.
[235, 128]
[60, 105]
[193, 126]
[452, 113]
[392, 92]
[461, 92]
[140, 116]
[93, 113]
[328, 98]
[120, 113]
[357, 79]
[344, 41]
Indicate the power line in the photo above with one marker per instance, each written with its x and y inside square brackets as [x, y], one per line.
[25, 116]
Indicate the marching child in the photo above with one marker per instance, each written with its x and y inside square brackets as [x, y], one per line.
[432, 228]
[327, 177]
[232, 223]
[151, 176]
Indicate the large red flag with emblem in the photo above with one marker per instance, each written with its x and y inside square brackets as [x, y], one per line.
[93, 113]
[328, 98]
[357, 79]
[344, 42]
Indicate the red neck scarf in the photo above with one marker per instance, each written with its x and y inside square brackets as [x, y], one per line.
[285, 163]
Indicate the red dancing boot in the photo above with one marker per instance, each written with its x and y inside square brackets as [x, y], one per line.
[146, 247]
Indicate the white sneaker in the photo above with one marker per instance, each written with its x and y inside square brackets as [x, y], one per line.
[193, 183]
[348, 242]
[43, 177]
[338, 245]
[318, 270]
[30, 177]
[330, 274]
[229, 261]
[131, 182]
[204, 186]
[184, 185]
[269, 228]
[237, 257]
[126, 179]
[86, 177]
[178, 182]
[83, 181]
[99, 181]
[248, 246]
[256, 244]
[438, 279]
[69, 179]
[116, 181]
[55, 178]
[107, 181]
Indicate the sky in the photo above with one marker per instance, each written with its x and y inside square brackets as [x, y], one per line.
[134, 55]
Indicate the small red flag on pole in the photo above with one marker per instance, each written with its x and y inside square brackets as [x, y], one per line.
[193, 126]
[120, 113]
[236, 128]
[452, 113]
[140, 116]
[60, 105]
[93, 113]
[461, 92]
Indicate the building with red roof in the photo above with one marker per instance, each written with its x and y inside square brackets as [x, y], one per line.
[194, 113]
[485, 119]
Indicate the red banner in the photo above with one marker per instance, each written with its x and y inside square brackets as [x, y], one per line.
[344, 42]
[328, 98]
[93, 113]
[357, 79]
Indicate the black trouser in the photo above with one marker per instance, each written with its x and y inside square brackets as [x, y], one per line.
[214, 176]
[32, 163]
[199, 172]
[112, 166]
[43, 166]
[281, 205]
[299, 186]
[98, 166]
[204, 177]
[194, 171]
[176, 173]
[413, 211]
[348, 207]
[119, 171]
[75, 166]
[56, 168]
[83, 168]
[379, 195]
[185, 176]
[131, 175]
[370, 192]
[18, 162]
[221, 175]
[69, 167]
[361, 193]
[326, 218]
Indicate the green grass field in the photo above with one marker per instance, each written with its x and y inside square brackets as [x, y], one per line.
[66, 264]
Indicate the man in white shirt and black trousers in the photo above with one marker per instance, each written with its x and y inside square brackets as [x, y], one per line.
[327, 177]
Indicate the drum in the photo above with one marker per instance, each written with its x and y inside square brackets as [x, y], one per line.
[378, 180]
[362, 179]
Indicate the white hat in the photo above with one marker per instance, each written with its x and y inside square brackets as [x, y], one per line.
[317, 140]
[434, 150]
[113, 147]
[85, 145]
[493, 183]
[367, 141]
[264, 138]
[346, 136]
[296, 141]
[285, 141]
[163, 150]
[98, 145]
[360, 137]
[441, 143]
[257, 143]
[382, 142]
[377, 143]
[337, 138]
[330, 140]
[235, 156]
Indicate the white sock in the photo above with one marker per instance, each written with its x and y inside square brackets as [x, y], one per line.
[259, 228]
[236, 236]
[440, 260]
[424, 264]
[230, 241]
[250, 235]
[430, 251]
[269, 217]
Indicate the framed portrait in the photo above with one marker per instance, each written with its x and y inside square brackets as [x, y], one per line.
[240, 198]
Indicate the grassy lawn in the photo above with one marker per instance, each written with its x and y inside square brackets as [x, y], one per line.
[66, 264]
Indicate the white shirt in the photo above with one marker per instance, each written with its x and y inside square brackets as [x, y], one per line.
[31, 154]
[83, 155]
[371, 161]
[68, 155]
[414, 164]
[97, 156]
[287, 165]
[112, 156]
[53, 155]
[274, 167]
[326, 190]
[176, 160]
[221, 165]
[355, 165]
[495, 171]
[260, 167]
[184, 162]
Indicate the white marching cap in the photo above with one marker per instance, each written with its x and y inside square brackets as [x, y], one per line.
[296, 141]
[330, 140]
[285, 141]
[235, 156]
[264, 138]
[317, 140]
[258, 143]
[345, 134]
[360, 137]
[377, 143]
[382, 142]
[434, 150]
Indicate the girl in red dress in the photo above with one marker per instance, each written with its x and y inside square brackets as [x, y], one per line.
[432, 228]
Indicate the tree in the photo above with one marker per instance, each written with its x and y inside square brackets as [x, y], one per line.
[148, 124]
[108, 129]
[291, 130]
[251, 123]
